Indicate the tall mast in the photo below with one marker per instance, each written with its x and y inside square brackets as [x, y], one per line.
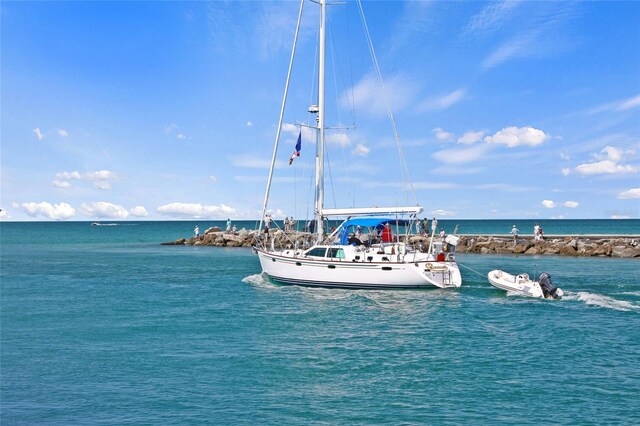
[320, 145]
[282, 108]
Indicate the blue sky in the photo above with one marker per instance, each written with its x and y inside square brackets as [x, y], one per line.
[168, 110]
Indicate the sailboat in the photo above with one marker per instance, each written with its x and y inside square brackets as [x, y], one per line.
[362, 252]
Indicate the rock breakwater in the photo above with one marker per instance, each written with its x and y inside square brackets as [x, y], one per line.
[562, 245]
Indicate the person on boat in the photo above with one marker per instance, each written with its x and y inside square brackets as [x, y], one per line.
[312, 226]
[196, 231]
[514, 232]
[442, 235]
[358, 233]
[267, 223]
[425, 226]
[354, 240]
[387, 234]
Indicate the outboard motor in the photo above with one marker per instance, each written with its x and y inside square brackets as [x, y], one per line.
[547, 286]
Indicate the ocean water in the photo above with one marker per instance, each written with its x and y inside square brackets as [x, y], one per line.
[102, 325]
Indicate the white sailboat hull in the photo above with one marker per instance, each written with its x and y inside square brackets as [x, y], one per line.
[287, 267]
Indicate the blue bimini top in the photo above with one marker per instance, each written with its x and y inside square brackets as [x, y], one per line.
[370, 222]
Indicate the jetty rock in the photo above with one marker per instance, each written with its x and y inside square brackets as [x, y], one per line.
[576, 246]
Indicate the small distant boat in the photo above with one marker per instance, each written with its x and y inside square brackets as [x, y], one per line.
[522, 285]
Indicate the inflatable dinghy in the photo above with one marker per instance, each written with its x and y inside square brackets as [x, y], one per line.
[522, 285]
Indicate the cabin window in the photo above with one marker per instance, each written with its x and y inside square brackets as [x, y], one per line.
[317, 252]
[337, 253]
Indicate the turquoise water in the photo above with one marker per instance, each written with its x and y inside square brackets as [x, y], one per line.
[103, 325]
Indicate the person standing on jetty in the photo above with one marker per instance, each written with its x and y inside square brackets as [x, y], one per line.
[514, 232]
[228, 224]
[536, 232]
[196, 231]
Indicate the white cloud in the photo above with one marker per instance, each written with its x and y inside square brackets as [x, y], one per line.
[571, 204]
[548, 204]
[196, 210]
[138, 211]
[249, 124]
[506, 187]
[60, 211]
[619, 105]
[629, 194]
[491, 17]
[308, 134]
[361, 150]
[341, 139]
[61, 183]
[609, 153]
[629, 103]
[441, 134]
[442, 102]
[566, 171]
[102, 185]
[170, 128]
[517, 136]
[63, 133]
[464, 155]
[604, 167]
[180, 136]
[213, 179]
[101, 179]
[102, 209]
[38, 133]
[471, 137]
[4, 214]
[520, 46]
[369, 97]
[435, 185]
[68, 175]
[609, 157]
[442, 213]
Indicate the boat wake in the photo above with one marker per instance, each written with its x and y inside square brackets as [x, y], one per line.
[602, 301]
[394, 300]
[260, 281]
